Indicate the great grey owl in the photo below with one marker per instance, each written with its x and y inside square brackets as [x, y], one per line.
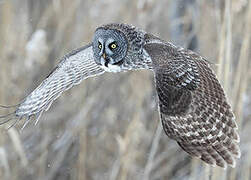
[193, 107]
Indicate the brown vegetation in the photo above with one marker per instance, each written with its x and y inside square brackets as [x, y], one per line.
[107, 127]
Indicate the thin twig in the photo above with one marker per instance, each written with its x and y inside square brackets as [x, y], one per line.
[153, 151]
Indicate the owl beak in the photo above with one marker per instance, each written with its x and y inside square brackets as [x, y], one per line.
[104, 56]
[104, 60]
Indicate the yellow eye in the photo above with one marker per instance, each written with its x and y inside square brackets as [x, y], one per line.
[100, 46]
[113, 45]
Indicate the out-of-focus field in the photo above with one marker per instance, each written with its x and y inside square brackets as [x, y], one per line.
[107, 127]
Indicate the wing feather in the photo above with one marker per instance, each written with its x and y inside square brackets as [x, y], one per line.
[72, 69]
[193, 106]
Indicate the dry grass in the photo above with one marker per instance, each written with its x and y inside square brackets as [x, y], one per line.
[107, 127]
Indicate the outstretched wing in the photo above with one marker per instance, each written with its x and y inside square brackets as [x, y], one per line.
[193, 107]
[73, 68]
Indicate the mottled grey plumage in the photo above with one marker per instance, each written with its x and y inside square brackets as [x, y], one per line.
[193, 107]
[72, 69]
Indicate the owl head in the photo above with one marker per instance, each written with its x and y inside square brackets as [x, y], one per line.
[114, 43]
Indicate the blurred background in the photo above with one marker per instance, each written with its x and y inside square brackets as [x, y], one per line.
[108, 127]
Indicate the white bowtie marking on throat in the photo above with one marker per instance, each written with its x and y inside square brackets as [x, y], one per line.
[111, 68]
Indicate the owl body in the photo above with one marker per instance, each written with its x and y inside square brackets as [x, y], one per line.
[193, 107]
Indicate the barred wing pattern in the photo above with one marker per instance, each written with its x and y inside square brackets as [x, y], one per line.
[193, 107]
[73, 68]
